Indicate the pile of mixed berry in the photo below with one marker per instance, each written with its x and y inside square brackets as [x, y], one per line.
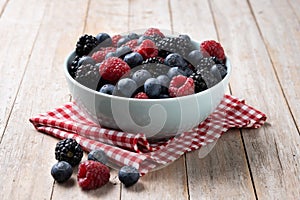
[92, 173]
[148, 65]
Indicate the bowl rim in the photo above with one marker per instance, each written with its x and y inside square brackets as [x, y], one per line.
[68, 76]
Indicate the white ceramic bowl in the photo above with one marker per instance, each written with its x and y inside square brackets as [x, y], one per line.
[156, 118]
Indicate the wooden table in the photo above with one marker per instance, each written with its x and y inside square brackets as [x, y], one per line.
[262, 39]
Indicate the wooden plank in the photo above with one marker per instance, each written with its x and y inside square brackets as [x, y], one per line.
[169, 182]
[282, 47]
[27, 156]
[295, 5]
[100, 18]
[273, 151]
[224, 173]
[18, 31]
[107, 16]
[197, 20]
[143, 15]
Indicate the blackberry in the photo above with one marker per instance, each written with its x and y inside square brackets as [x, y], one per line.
[209, 78]
[204, 79]
[155, 38]
[205, 63]
[174, 45]
[155, 66]
[154, 60]
[86, 44]
[74, 66]
[88, 75]
[68, 150]
[199, 83]
[217, 61]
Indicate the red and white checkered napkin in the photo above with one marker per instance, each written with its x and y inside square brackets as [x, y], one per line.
[123, 148]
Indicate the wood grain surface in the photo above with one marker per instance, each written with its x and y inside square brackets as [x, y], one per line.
[262, 40]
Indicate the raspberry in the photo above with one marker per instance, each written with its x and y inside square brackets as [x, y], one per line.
[115, 40]
[99, 56]
[213, 48]
[181, 86]
[141, 95]
[92, 175]
[147, 49]
[132, 44]
[113, 68]
[154, 31]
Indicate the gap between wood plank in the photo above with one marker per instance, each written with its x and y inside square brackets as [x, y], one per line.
[3, 8]
[273, 66]
[292, 8]
[171, 16]
[248, 163]
[186, 177]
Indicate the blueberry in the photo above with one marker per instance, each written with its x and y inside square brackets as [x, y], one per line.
[110, 54]
[107, 89]
[175, 60]
[164, 96]
[164, 81]
[122, 51]
[140, 76]
[185, 37]
[152, 88]
[133, 36]
[128, 175]
[174, 71]
[195, 57]
[185, 71]
[133, 59]
[122, 41]
[61, 171]
[142, 38]
[104, 39]
[126, 87]
[86, 60]
[98, 155]
[218, 71]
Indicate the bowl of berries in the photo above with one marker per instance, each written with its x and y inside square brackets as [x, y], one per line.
[147, 81]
